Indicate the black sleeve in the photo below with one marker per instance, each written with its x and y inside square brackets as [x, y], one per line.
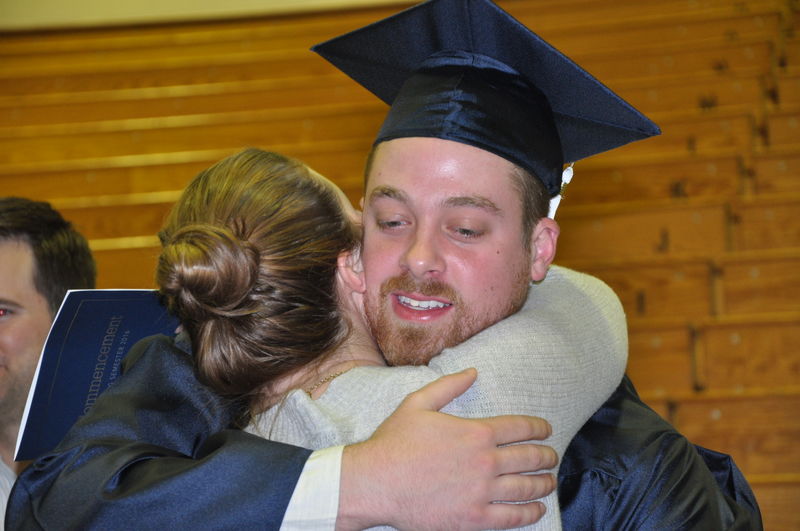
[628, 469]
[155, 451]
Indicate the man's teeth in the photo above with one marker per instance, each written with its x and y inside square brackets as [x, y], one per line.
[420, 305]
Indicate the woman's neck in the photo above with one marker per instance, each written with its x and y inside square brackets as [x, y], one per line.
[340, 362]
[358, 349]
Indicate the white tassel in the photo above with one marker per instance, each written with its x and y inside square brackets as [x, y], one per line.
[566, 177]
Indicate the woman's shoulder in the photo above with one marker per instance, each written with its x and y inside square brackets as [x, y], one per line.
[350, 409]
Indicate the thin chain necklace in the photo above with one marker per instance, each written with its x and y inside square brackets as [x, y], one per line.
[325, 380]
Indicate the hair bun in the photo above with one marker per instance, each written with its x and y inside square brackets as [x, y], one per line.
[207, 271]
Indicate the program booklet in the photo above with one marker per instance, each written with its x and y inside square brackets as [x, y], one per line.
[81, 358]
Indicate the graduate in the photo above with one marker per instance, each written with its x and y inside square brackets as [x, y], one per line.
[477, 100]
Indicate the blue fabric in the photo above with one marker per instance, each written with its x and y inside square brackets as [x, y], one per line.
[394, 58]
[629, 469]
[475, 100]
[155, 452]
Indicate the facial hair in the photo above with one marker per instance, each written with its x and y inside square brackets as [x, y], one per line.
[411, 343]
[12, 401]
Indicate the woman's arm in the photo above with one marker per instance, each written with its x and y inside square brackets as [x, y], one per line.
[560, 357]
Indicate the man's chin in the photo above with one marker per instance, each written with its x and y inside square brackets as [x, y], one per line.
[410, 344]
[402, 357]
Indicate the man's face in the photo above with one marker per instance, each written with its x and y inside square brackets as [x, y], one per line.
[24, 322]
[443, 251]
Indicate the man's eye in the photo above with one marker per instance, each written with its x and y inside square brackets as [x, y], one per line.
[389, 224]
[468, 234]
[4, 312]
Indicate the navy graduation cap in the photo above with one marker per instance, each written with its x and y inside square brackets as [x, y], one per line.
[465, 70]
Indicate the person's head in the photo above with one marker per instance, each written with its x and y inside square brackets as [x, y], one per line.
[484, 114]
[248, 264]
[453, 235]
[61, 256]
[41, 257]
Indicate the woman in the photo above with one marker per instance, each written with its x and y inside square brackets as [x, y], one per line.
[260, 263]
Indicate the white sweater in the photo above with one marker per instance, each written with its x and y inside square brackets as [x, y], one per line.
[560, 357]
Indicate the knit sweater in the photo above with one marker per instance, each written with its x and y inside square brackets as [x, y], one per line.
[560, 357]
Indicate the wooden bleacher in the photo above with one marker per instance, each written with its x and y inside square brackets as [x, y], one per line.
[696, 230]
[776, 173]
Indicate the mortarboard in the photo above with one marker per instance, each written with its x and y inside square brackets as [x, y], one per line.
[465, 70]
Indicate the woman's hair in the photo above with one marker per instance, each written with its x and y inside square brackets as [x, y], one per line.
[248, 265]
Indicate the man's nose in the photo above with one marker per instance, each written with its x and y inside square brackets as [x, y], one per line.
[423, 258]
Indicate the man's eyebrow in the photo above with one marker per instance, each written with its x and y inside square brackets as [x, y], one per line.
[9, 303]
[474, 201]
[387, 192]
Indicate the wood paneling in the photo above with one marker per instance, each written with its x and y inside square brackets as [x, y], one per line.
[696, 229]
[674, 229]
[122, 264]
[778, 503]
[658, 289]
[766, 222]
[752, 352]
[660, 360]
[762, 283]
[779, 172]
[678, 178]
[759, 432]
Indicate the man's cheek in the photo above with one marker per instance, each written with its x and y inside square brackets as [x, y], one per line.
[379, 264]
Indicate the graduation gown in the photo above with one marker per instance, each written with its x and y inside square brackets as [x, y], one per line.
[628, 469]
[156, 451]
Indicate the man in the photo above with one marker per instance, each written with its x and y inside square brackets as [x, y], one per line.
[448, 250]
[484, 113]
[41, 257]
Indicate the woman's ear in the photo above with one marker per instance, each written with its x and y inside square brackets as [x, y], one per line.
[544, 240]
[350, 270]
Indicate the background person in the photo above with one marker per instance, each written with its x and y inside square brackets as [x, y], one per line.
[41, 257]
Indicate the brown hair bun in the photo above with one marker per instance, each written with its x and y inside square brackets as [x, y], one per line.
[209, 272]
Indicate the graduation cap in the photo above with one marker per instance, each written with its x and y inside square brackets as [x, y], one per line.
[465, 70]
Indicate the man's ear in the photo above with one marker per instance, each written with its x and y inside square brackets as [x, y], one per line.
[350, 271]
[544, 240]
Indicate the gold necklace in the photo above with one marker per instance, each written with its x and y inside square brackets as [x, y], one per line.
[325, 380]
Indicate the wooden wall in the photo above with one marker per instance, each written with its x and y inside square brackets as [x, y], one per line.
[697, 230]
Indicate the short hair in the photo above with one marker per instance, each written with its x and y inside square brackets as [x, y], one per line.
[248, 264]
[535, 199]
[62, 259]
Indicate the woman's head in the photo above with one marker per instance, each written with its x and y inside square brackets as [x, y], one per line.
[248, 264]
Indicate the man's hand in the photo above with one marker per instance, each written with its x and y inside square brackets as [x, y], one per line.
[423, 469]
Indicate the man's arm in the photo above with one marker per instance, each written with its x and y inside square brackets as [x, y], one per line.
[384, 483]
[155, 451]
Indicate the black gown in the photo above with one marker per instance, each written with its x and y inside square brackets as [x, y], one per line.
[157, 451]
